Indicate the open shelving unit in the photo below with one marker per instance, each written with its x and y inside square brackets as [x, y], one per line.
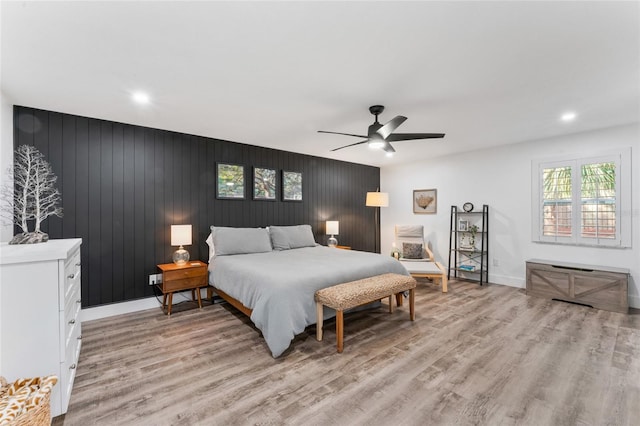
[469, 245]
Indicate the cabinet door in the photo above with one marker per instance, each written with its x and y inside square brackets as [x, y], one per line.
[548, 283]
[602, 289]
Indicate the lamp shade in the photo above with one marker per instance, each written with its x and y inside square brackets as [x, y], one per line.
[333, 227]
[377, 199]
[180, 235]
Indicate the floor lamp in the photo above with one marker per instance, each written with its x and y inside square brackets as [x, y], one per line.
[377, 200]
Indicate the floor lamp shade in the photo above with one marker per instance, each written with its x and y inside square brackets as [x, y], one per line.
[181, 236]
[333, 228]
[377, 199]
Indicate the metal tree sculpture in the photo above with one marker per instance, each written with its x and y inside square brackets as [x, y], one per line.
[34, 194]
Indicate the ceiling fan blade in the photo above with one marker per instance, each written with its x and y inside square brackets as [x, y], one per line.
[388, 148]
[345, 134]
[389, 127]
[409, 136]
[353, 144]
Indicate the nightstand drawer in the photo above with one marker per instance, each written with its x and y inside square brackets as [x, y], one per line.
[181, 274]
[184, 284]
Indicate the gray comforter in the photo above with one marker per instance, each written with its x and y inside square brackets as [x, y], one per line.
[279, 286]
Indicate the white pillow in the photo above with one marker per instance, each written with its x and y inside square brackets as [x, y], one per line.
[212, 247]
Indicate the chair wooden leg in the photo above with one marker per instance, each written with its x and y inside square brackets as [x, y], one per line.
[412, 301]
[319, 320]
[391, 304]
[340, 330]
[399, 299]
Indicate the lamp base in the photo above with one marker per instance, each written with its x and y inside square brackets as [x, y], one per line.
[181, 256]
[332, 242]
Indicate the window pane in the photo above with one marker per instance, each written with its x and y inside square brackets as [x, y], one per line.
[598, 200]
[556, 208]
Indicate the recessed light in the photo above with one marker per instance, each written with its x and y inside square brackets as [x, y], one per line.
[140, 98]
[568, 116]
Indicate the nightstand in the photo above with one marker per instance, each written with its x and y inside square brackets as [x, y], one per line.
[191, 276]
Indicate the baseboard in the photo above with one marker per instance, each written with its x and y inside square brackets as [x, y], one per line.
[105, 311]
[517, 282]
[634, 301]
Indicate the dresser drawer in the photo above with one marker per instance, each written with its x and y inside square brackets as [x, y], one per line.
[69, 366]
[185, 273]
[185, 284]
[71, 277]
[70, 324]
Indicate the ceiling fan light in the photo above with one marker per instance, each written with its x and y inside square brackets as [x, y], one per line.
[376, 143]
[389, 154]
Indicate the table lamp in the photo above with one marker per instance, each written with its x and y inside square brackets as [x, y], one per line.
[180, 235]
[333, 227]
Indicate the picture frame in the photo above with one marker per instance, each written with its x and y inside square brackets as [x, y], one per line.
[230, 181]
[291, 186]
[425, 201]
[264, 184]
[463, 225]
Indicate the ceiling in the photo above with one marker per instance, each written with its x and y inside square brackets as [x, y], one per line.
[273, 73]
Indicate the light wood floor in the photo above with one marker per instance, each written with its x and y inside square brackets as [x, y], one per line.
[475, 356]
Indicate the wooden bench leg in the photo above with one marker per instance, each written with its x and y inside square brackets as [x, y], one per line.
[412, 300]
[399, 299]
[391, 304]
[340, 330]
[319, 320]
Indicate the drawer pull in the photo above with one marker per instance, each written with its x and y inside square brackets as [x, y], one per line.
[79, 301]
[80, 337]
[72, 367]
[73, 321]
[72, 276]
[78, 264]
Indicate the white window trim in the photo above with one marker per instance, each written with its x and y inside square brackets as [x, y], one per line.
[622, 158]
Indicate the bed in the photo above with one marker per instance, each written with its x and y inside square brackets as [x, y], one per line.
[275, 283]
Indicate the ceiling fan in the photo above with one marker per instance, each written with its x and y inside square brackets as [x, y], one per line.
[380, 135]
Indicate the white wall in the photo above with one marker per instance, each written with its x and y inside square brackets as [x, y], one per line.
[6, 153]
[501, 178]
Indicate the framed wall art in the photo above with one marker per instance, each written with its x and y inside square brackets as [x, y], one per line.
[230, 181]
[264, 184]
[425, 201]
[291, 186]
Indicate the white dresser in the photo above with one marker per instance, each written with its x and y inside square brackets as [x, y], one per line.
[39, 314]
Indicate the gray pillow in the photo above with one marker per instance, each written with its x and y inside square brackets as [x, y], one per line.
[229, 241]
[412, 251]
[291, 237]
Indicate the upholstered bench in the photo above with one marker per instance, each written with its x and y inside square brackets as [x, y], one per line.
[355, 293]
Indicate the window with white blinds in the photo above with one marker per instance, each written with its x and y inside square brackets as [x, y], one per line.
[583, 201]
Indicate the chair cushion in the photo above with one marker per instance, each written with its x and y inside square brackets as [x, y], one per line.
[412, 251]
[421, 268]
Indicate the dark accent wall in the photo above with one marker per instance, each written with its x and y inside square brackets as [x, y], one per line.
[123, 186]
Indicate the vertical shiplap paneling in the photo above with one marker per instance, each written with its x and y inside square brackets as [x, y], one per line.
[69, 184]
[118, 206]
[123, 186]
[95, 215]
[106, 204]
[82, 201]
[128, 213]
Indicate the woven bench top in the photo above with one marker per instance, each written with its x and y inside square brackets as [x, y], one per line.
[356, 293]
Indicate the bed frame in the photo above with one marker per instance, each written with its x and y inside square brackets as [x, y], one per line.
[232, 301]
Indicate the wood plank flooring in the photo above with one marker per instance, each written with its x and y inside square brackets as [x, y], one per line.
[475, 356]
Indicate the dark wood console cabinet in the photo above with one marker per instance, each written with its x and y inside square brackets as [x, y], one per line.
[597, 286]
